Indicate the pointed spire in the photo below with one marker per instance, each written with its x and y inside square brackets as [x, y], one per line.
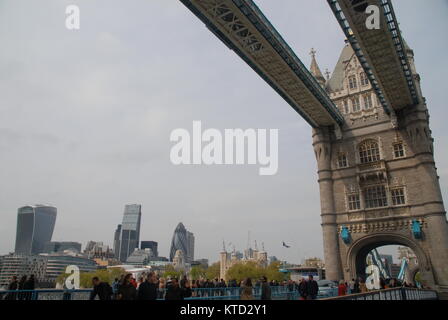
[327, 74]
[315, 70]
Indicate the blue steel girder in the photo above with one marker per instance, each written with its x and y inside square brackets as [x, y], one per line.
[241, 25]
[381, 53]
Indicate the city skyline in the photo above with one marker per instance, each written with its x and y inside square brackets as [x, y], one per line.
[89, 183]
[59, 246]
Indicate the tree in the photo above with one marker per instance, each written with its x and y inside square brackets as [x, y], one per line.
[170, 272]
[273, 272]
[243, 270]
[253, 270]
[198, 272]
[213, 271]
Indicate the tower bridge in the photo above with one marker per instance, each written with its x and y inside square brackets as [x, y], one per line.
[382, 52]
[244, 29]
[374, 150]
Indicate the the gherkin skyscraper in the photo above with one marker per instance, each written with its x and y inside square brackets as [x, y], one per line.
[184, 241]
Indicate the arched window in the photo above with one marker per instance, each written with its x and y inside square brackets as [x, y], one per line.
[368, 102]
[342, 160]
[369, 151]
[346, 107]
[352, 82]
[356, 105]
[364, 79]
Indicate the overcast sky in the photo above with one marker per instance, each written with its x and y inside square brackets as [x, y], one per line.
[85, 120]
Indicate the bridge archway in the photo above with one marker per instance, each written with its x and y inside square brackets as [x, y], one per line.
[358, 251]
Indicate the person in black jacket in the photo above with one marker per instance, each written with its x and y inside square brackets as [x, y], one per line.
[127, 291]
[183, 281]
[101, 289]
[356, 287]
[174, 292]
[302, 289]
[30, 284]
[13, 285]
[265, 289]
[312, 288]
[148, 289]
[21, 287]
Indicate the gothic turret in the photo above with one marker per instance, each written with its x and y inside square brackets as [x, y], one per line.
[315, 70]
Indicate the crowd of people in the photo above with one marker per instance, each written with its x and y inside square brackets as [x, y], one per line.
[151, 287]
[356, 286]
[25, 283]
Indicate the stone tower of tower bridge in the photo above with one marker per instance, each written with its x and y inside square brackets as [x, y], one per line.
[378, 181]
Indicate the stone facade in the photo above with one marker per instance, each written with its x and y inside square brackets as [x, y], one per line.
[377, 176]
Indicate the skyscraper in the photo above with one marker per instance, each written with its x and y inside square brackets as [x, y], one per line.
[184, 241]
[179, 241]
[35, 226]
[150, 245]
[117, 235]
[130, 231]
[190, 241]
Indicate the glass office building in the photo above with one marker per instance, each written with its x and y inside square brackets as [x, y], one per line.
[35, 226]
[150, 245]
[117, 235]
[130, 231]
[190, 242]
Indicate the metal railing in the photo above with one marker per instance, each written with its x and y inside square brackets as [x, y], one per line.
[225, 293]
[45, 294]
[392, 294]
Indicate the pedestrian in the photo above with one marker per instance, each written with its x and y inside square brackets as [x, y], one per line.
[148, 289]
[140, 281]
[312, 289]
[13, 286]
[29, 286]
[246, 290]
[290, 285]
[265, 289]
[302, 289]
[133, 282]
[342, 288]
[175, 292]
[101, 289]
[183, 281]
[362, 286]
[382, 283]
[194, 288]
[222, 284]
[127, 290]
[161, 290]
[356, 287]
[115, 286]
[22, 287]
